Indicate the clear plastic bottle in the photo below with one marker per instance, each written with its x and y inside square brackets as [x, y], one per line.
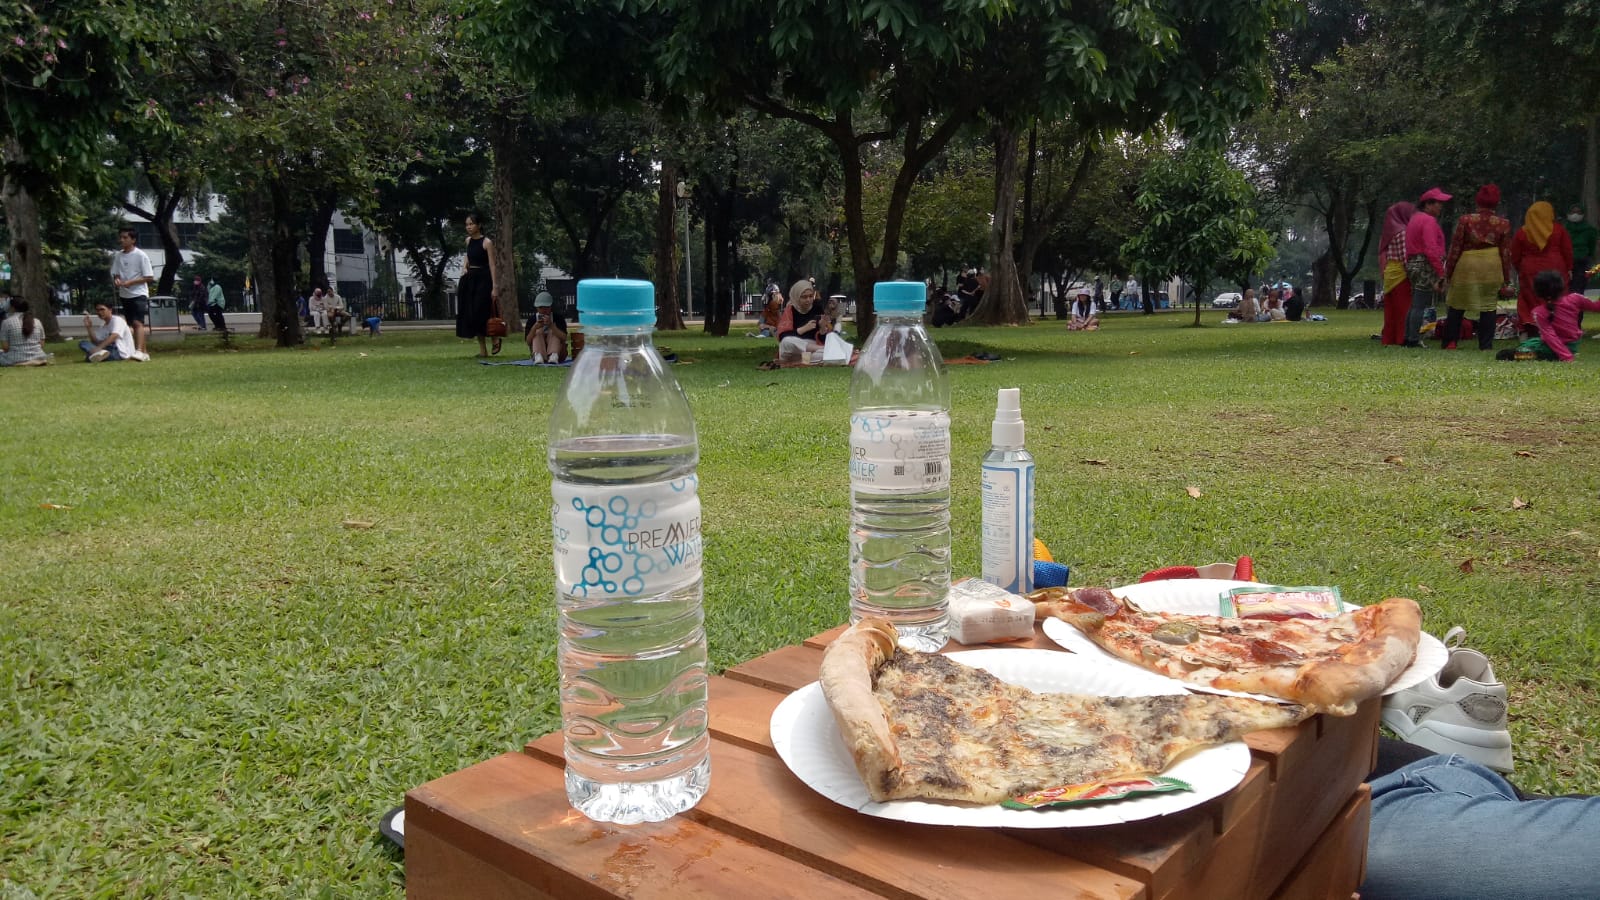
[900, 473]
[627, 547]
[1008, 499]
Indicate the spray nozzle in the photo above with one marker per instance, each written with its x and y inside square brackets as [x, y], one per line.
[1007, 431]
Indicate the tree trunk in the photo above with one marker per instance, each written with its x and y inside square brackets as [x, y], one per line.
[317, 238]
[160, 217]
[285, 243]
[708, 265]
[28, 279]
[258, 228]
[1323, 271]
[1004, 303]
[1591, 168]
[668, 316]
[504, 179]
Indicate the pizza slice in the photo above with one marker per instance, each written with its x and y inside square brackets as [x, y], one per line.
[1326, 665]
[921, 725]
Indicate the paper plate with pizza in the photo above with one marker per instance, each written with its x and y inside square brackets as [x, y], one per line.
[1172, 627]
[946, 739]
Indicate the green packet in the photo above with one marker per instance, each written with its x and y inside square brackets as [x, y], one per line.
[1089, 792]
[1275, 601]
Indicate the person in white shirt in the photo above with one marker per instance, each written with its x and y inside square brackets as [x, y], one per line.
[109, 338]
[132, 274]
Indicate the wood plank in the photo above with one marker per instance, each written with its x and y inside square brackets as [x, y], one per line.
[741, 713]
[785, 669]
[1156, 852]
[756, 798]
[503, 828]
[1337, 862]
[1307, 796]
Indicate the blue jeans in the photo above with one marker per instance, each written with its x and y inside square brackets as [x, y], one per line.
[88, 347]
[1445, 827]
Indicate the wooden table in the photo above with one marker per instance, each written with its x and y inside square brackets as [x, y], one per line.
[1295, 827]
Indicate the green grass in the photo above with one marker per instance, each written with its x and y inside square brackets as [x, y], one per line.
[209, 686]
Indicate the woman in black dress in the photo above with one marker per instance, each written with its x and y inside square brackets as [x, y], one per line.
[478, 290]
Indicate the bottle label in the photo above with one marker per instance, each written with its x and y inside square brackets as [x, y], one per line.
[900, 452]
[1008, 527]
[626, 540]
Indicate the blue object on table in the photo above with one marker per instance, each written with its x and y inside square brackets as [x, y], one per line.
[1050, 574]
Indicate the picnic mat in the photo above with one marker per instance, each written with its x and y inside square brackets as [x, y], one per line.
[523, 362]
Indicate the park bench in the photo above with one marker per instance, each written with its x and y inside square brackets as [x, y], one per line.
[1295, 827]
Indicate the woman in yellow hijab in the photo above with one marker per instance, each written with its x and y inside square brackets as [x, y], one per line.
[1540, 244]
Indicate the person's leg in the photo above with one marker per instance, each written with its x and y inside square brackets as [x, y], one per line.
[1421, 301]
[88, 349]
[1452, 327]
[1445, 827]
[792, 351]
[1486, 330]
[483, 347]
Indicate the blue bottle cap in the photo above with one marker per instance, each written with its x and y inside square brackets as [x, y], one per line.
[604, 302]
[898, 297]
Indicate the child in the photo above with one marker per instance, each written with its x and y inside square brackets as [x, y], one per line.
[1557, 319]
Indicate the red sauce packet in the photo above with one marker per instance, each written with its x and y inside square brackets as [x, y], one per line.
[1089, 792]
[1278, 603]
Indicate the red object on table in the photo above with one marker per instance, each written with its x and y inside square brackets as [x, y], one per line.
[1243, 570]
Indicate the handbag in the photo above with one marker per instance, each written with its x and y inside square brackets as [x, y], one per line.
[497, 326]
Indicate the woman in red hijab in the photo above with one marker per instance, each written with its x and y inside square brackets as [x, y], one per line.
[1392, 257]
[1541, 243]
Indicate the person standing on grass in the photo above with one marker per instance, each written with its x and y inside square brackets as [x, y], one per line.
[215, 301]
[1424, 260]
[22, 337]
[132, 275]
[1478, 268]
[478, 290]
[109, 339]
[1396, 288]
[1584, 238]
[1540, 244]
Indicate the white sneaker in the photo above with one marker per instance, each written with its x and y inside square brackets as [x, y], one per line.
[1460, 710]
[140, 356]
[538, 359]
[99, 355]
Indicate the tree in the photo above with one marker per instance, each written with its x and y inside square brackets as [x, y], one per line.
[1536, 53]
[319, 99]
[421, 210]
[1199, 221]
[77, 55]
[911, 73]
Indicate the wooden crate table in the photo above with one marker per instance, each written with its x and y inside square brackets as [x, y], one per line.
[1295, 827]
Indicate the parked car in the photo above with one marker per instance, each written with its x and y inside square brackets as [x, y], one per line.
[1229, 300]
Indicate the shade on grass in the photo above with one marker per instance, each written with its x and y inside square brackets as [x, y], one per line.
[211, 685]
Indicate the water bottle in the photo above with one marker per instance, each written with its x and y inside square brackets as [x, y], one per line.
[1008, 499]
[626, 533]
[900, 473]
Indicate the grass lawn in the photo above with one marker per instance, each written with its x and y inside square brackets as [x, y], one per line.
[212, 683]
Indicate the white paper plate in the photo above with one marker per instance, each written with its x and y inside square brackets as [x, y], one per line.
[1201, 597]
[804, 733]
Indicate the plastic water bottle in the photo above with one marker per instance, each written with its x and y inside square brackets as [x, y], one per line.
[1008, 499]
[900, 473]
[626, 529]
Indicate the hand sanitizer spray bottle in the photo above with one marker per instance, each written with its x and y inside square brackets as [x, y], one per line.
[1008, 500]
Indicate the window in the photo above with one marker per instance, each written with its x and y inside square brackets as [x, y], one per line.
[190, 232]
[348, 242]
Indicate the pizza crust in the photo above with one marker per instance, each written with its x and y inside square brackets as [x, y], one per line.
[1385, 640]
[1389, 634]
[847, 673]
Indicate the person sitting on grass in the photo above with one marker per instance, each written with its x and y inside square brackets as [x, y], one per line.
[771, 308]
[1557, 319]
[1083, 317]
[546, 333]
[1274, 311]
[1246, 310]
[22, 337]
[109, 339]
[798, 337]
